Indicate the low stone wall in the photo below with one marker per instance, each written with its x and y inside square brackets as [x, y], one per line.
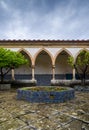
[45, 97]
[70, 83]
[5, 86]
[81, 88]
[23, 83]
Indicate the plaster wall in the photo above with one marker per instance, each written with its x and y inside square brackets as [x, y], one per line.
[43, 64]
[24, 69]
[74, 51]
[32, 51]
[14, 49]
[53, 51]
[62, 66]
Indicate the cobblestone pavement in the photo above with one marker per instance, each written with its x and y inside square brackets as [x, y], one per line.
[21, 115]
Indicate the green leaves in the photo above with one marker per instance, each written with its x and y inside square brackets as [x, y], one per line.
[83, 58]
[81, 64]
[81, 61]
[11, 59]
[71, 61]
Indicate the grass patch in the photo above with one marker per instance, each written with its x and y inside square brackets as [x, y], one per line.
[46, 88]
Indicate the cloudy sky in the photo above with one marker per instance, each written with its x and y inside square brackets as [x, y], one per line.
[44, 19]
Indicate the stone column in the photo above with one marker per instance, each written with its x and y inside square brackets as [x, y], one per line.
[13, 75]
[33, 74]
[74, 74]
[53, 72]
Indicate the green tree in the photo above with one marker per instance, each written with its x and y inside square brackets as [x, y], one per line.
[81, 65]
[10, 60]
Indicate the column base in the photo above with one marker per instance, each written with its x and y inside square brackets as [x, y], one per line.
[33, 80]
[53, 81]
[73, 79]
[13, 79]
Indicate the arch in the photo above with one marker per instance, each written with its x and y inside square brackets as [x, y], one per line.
[24, 72]
[22, 50]
[84, 49]
[43, 68]
[43, 50]
[79, 67]
[63, 49]
[62, 69]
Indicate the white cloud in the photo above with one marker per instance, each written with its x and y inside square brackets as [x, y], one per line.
[16, 28]
[4, 5]
[64, 22]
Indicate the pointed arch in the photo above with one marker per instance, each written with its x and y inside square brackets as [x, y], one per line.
[43, 50]
[62, 69]
[60, 51]
[24, 71]
[43, 67]
[84, 49]
[22, 50]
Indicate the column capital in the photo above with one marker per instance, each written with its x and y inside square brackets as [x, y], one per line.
[33, 66]
[53, 66]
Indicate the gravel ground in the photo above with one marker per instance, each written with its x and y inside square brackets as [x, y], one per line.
[22, 115]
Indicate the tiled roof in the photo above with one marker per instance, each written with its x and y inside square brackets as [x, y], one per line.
[14, 40]
[44, 42]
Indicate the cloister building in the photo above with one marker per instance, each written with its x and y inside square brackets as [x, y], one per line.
[48, 59]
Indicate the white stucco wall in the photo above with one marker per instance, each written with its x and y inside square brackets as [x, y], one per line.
[62, 66]
[24, 69]
[53, 51]
[74, 51]
[32, 51]
[14, 49]
[43, 64]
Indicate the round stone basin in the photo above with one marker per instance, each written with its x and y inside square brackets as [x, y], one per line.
[50, 94]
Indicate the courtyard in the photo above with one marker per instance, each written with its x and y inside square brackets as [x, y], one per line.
[21, 115]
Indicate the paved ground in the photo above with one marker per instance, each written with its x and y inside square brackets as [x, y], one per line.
[21, 115]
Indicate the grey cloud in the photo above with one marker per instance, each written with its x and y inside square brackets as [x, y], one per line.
[60, 21]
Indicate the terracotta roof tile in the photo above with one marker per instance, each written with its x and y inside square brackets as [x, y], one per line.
[19, 40]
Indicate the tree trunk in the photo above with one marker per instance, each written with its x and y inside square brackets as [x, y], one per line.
[77, 72]
[83, 82]
[84, 75]
[2, 75]
[83, 79]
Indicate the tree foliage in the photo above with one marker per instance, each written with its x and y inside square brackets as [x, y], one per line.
[10, 59]
[81, 64]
